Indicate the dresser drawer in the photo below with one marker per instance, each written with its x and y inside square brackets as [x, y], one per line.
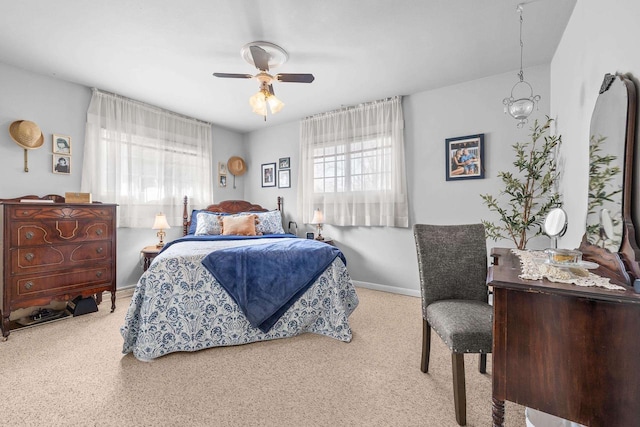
[61, 212]
[48, 232]
[47, 258]
[60, 282]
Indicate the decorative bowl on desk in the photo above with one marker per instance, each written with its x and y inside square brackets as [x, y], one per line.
[568, 258]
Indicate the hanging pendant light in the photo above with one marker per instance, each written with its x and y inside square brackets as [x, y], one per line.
[520, 108]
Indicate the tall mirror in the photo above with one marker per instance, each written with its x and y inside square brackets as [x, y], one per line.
[609, 238]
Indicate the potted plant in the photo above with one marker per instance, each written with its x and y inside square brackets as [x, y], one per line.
[529, 193]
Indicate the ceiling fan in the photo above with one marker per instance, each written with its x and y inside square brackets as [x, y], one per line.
[264, 56]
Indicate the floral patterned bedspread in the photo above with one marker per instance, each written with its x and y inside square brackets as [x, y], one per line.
[179, 306]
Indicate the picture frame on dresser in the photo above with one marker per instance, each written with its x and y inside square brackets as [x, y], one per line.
[54, 251]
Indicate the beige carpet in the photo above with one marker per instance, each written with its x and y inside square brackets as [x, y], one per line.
[72, 372]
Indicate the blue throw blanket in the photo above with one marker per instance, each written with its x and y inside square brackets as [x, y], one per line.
[265, 280]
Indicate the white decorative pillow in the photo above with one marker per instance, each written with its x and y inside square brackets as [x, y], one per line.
[208, 223]
[270, 222]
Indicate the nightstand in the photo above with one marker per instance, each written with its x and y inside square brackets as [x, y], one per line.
[328, 241]
[148, 254]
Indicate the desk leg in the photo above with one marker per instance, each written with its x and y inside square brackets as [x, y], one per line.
[498, 413]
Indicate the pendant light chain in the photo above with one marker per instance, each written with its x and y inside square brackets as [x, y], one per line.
[521, 74]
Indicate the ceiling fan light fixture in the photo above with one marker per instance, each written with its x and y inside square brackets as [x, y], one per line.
[263, 99]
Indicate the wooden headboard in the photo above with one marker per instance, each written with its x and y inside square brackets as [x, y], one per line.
[227, 206]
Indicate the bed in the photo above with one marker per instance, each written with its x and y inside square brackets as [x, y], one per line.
[214, 288]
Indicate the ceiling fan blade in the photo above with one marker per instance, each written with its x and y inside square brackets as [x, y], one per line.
[233, 76]
[260, 58]
[295, 78]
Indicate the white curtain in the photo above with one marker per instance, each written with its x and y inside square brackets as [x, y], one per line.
[145, 159]
[352, 166]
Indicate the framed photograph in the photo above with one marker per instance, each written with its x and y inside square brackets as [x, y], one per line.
[284, 178]
[311, 236]
[61, 144]
[283, 163]
[464, 157]
[222, 168]
[222, 180]
[268, 176]
[61, 164]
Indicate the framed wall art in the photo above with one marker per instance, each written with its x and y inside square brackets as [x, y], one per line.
[464, 157]
[268, 175]
[284, 163]
[222, 180]
[284, 178]
[61, 144]
[61, 164]
[222, 168]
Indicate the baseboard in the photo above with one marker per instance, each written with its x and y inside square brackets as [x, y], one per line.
[386, 288]
[128, 290]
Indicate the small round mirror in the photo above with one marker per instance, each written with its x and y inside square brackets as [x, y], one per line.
[556, 222]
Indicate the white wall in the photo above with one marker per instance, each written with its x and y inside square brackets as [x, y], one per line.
[61, 107]
[383, 257]
[601, 37]
[57, 107]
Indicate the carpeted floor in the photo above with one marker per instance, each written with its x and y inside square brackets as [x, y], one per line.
[72, 372]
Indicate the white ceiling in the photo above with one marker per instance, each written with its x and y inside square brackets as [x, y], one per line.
[164, 51]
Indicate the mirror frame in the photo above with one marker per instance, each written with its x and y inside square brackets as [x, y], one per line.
[622, 265]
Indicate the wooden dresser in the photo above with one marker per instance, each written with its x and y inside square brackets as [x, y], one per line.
[55, 251]
[567, 350]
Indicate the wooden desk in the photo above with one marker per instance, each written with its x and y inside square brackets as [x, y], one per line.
[570, 351]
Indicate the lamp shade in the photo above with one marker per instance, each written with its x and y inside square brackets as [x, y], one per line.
[318, 218]
[258, 103]
[275, 104]
[160, 223]
[262, 99]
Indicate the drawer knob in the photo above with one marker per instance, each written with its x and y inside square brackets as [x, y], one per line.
[29, 235]
[29, 256]
[28, 285]
[99, 232]
[99, 274]
[25, 212]
[99, 250]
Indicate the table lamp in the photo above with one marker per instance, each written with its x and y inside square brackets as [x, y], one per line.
[318, 219]
[160, 224]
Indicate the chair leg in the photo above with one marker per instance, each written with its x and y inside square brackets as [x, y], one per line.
[482, 363]
[459, 392]
[426, 345]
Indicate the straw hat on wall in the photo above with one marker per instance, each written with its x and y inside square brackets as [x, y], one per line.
[26, 134]
[236, 166]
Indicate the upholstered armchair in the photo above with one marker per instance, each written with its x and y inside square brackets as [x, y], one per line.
[452, 261]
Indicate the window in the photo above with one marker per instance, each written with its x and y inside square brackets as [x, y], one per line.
[353, 166]
[145, 159]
